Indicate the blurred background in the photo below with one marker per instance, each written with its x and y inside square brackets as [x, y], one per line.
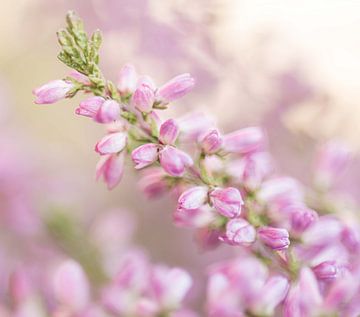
[292, 68]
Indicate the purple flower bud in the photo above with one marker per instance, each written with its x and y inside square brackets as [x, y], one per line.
[169, 132]
[174, 89]
[274, 238]
[111, 143]
[52, 92]
[111, 168]
[211, 142]
[239, 232]
[193, 198]
[90, 106]
[227, 201]
[326, 270]
[244, 141]
[143, 97]
[108, 112]
[127, 80]
[302, 218]
[145, 155]
[174, 161]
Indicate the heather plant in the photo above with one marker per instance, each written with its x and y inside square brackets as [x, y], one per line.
[298, 250]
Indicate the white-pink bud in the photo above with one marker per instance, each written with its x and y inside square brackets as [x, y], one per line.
[52, 92]
[169, 132]
[111, 143]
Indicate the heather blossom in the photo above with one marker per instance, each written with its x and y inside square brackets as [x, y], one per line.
[295, 259]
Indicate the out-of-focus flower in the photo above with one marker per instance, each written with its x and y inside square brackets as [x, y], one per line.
[331, 160]
[71, 286]
[111, 168]
[251, 170]
[244, 141]
[169, 286]
[153, 182]
[272, 294]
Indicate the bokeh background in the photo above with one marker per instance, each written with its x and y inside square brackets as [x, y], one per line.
[288, 66]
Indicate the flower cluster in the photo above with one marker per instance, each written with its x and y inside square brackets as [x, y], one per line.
[120, 281]
[296, 262]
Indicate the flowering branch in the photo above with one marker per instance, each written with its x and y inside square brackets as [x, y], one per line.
[224, 183]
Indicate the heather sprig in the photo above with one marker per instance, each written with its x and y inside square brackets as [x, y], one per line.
[225, 186]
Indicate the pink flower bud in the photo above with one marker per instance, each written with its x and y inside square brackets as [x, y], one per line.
[174, 161]
[143, 98]
[302, 218]
[326, 270]
[274, 238]
[127, 80]
[169, 132]
[71, 286]
[244, 141]
[52, 92]
[239, 232]
[227, 201]
[111, 143]
[111, 168]
[211, 142]
[108, 112]
[90, 106]
[193, 198]
[145, 155]
[174, 89]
